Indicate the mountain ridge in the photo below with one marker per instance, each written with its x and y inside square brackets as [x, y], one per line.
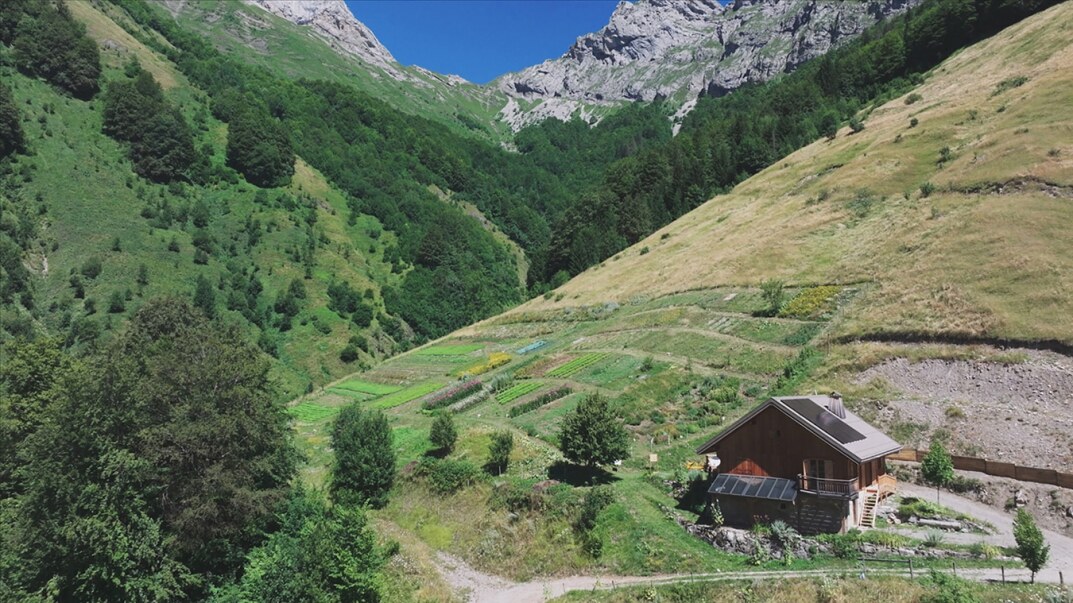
[649, 50]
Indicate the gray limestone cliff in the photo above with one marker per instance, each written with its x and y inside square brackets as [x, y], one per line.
[678, 49]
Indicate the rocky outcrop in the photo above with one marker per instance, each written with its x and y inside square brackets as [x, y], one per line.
[332, 20]
[677, 49]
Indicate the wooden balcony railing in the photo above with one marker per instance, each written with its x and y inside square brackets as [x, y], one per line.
[887, 485]
[827, 487]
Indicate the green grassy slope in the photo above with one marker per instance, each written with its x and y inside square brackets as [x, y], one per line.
[263, 39]
[79, 186]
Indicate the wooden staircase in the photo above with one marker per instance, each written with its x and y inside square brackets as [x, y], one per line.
[868, 515]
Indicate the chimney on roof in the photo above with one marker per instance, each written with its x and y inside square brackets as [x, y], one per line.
[836, 407]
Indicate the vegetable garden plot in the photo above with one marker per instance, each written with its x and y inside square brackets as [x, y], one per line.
[517, 391]
[402, 397]
[308, 412]
[576, 365]
[366, 387]
[460, 349]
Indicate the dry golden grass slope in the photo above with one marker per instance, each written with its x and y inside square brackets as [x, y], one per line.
[989, 254]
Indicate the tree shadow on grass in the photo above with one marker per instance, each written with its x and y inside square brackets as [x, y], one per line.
[580, 475]
[437, 453]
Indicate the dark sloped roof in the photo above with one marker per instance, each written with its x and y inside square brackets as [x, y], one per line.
[753, 486]
[850, 435]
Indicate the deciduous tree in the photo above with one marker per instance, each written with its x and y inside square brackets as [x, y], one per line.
[364, 467]
[592, 434]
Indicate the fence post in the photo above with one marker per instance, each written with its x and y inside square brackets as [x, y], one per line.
[911, 576]
[1004, 574]
[954, 567]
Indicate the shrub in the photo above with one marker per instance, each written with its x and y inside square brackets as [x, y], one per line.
[914, 122]
[933, 539]
[948, 589]
[855, 124]
[91, 268]
[1009, 84]
[447, 476]
[774, 294]
[984, 550]
[349, 353]
[927, 189]
[946, 155]
[912, 98]
[499, 451]
[443, 433]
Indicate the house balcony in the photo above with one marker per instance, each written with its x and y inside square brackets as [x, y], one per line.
[822, 486]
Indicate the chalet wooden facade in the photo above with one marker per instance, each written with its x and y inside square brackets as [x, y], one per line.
[805, 460]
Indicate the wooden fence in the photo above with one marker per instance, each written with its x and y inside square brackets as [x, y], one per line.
[968, 463]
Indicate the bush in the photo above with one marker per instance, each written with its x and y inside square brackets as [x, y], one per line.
[773, 291]
[447, 476]
[948, 589]
[984, 550]
[349, 353]
[855, 124]
[912, 98]
[595, 501]
[933, 539]
[927, 189]
[91, 268]
[499, 451]
[443, 434]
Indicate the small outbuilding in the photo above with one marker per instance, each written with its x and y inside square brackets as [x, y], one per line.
[803, 459]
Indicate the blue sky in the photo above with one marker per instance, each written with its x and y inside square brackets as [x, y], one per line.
[480, 39]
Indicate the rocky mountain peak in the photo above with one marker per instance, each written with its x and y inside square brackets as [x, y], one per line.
[332, 20]
[678, 49]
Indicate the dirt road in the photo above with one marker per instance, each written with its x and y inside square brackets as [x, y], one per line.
[478, 587]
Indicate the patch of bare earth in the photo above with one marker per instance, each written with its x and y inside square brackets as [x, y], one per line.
[1019, 413]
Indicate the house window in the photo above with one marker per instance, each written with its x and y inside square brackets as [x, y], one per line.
[817, 470]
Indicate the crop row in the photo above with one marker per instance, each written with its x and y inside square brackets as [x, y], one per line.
[517, 391]
[535, 403]
[308, 412]
[576, 365]
[452, 394]
[495, 360]
[402, 397]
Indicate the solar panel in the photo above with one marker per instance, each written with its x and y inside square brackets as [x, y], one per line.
[827, 421]
[752, 486]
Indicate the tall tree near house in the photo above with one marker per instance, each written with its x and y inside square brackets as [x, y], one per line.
[1030, 547]
[592, 434]
[937, 467]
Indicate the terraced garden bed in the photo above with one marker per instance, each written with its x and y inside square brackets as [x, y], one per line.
[517, 391]
[459, 349]
[406, 395]
[310, 412]
[576, 365]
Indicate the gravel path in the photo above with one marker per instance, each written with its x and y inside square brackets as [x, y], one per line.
[1061, 558]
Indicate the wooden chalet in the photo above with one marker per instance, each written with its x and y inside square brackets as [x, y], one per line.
[803, 459]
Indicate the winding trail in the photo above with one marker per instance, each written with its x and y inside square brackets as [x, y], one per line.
[478, 587]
